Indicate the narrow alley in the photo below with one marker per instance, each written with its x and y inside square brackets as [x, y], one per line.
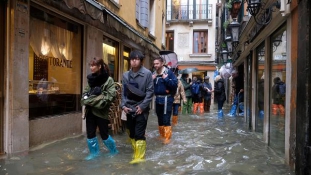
[199, 145]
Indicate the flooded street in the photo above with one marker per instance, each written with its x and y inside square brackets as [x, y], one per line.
[199, 145]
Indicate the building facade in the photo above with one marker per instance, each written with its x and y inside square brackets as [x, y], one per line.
[45, 50]
[191, 33]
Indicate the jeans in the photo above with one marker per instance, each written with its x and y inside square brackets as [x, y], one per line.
[92, 122]
[164, 119]
[175, 108]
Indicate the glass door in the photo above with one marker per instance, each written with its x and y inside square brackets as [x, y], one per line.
[277, 89]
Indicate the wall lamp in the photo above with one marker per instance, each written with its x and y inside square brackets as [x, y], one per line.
[224, 55]
[264, 18]
[235, 28]
[228, 41]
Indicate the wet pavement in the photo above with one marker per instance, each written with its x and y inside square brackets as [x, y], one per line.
[200, 145]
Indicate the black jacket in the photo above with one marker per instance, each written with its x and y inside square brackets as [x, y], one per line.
[219, 90]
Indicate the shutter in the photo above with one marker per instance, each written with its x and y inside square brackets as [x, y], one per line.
[169, 11]
[144, 13]
[137, 9]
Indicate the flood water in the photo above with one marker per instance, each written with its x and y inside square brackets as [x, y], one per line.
[199, 145]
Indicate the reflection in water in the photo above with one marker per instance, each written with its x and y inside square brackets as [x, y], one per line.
[199, 145]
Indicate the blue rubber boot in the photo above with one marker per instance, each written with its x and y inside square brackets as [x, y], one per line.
[93, 147]
[261, 114]
[220, 113]
[232, 111]
[111, 145]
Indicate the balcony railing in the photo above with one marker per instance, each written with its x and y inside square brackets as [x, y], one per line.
[189, 12]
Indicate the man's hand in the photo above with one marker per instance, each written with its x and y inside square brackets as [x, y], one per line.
[138, 110]
[241, 90]
[164, 76]
[154, 76]
[127, 110]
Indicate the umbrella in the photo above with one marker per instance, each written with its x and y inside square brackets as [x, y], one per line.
[189, 70]
[170, 57]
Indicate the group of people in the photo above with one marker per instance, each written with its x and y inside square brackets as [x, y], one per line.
[140, 85]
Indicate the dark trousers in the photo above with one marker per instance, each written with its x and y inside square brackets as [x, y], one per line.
[220, 104]
[92, 122]
[137, 125]
[207, 104]
[175, 108]
[164, 119]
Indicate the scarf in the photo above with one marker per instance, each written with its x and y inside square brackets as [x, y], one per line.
[95, 79]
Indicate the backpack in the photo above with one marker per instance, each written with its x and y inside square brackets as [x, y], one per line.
[282, 89]
[195, 89]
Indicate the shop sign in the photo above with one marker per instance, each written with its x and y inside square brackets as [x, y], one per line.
[58, 62]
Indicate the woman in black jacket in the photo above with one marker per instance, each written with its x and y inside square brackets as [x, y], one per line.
[220, 94]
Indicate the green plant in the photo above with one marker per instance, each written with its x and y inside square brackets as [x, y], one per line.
[228, 5]
[225, 24]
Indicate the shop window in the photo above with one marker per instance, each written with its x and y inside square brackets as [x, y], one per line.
[110, 55]
[54, 65]
[169, 41]
[278, 90]
[126, 62]
[200, 42]
[260, 54]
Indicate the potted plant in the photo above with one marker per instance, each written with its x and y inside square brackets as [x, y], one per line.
[235, 7]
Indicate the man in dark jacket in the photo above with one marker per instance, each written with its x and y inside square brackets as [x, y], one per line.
[207, 86]
[137, 108]
[197, 91]
[187, 107]
[238, 82]
[165, 87]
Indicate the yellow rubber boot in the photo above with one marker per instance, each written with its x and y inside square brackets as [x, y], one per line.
[140, 150]
[174, 119]
[167, 134]
[133, 142]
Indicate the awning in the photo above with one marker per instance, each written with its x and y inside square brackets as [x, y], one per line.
[87, 7]
[121, 26]
[96, 9]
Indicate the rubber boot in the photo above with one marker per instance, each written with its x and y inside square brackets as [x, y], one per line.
[274, 109]
[133, 142]
[201, 105]
[195, 108]
[261, 114]
[167, 134]
[139, 152]
[232, 111]
[282, 110]
[161, 131]
[111, 145]
[93, 147]
[220, 113]
[174, 120]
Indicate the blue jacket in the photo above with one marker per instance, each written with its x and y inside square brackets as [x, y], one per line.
[164, 87]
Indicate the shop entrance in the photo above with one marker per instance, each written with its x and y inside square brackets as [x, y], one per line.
[2, 24]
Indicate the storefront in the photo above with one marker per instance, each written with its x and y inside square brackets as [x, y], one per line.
[266, 53]
[44, 71]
